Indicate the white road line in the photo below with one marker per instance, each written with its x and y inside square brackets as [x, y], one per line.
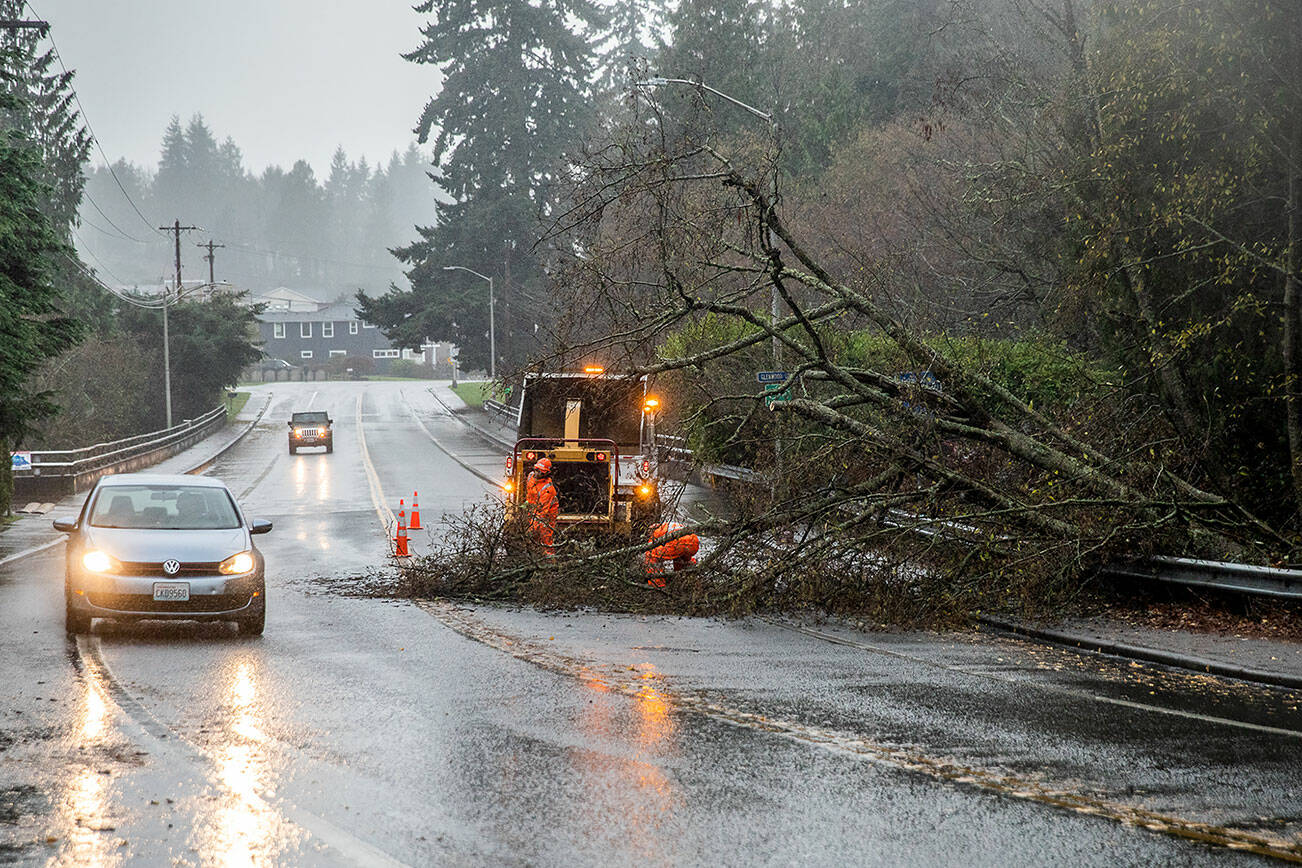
[166, 742]
[31, 551]
[312, 399]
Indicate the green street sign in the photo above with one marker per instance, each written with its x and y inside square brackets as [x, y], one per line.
[776, 392]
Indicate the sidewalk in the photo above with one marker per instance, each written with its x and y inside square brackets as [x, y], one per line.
[1252, 658]
[34, 532]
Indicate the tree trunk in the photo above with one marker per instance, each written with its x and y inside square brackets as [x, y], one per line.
[1293, 263]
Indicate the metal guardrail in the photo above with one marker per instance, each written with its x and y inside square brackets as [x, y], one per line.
[75, 462]
[1222, 576]
[497, 409]
[1216, 575]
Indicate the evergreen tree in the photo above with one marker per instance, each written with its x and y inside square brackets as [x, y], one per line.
[515, 97]
[44, 112]
[32, 327]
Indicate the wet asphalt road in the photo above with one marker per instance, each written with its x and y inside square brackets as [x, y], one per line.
[363, 731]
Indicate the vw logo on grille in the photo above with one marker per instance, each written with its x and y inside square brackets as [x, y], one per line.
[171, 567]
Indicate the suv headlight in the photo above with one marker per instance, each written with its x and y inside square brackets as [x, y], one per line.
[237, 564]
[96, 561]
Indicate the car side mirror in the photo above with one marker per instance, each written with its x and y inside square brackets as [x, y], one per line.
[260, 525]
[290, 424]
[65, 525]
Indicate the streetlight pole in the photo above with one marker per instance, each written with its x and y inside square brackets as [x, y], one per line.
[492, 325]
[772, 121]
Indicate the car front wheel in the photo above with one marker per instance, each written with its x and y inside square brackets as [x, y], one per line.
[74, 622]
[253, 625]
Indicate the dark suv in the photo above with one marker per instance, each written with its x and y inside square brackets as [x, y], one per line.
[310, 429]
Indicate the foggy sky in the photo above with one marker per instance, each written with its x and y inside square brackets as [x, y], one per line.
[287, 79]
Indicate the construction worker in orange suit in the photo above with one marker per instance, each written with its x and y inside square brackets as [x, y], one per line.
[680, 552]
[544, 504]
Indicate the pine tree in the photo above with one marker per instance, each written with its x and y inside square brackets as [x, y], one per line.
[516, 96]
[32, 327]
[44, 112]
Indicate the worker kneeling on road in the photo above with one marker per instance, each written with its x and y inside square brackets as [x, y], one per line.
[680, 553]
[544, 505]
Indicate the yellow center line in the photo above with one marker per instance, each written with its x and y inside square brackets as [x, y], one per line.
[382, 511]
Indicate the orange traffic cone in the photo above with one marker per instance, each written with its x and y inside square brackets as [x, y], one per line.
[400, 541]
[415, 512]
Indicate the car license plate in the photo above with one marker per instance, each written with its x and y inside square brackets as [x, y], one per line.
[172, 591]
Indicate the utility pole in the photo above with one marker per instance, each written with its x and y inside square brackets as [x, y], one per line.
[176, 229]
[210, 257]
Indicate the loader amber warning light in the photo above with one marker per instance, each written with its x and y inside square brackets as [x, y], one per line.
[645, 490]
[651, 403]
[593, 369]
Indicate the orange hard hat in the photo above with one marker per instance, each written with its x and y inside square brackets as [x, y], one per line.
[543, 466]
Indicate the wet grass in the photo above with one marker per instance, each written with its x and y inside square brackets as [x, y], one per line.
[473, 393]
[236, 404]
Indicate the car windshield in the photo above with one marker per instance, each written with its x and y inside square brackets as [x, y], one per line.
[164, 507]
[310, 418]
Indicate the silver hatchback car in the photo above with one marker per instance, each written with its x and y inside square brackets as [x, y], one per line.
[153, 546]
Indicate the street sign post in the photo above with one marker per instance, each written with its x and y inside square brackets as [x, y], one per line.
[771, 376]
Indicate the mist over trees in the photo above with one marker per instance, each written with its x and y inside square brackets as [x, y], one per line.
[289, 227]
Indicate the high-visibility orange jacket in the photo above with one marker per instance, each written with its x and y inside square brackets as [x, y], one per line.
[681, 550]
[540, 494]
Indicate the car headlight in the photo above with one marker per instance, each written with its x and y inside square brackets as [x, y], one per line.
[237, 565]
[100, 562]
[298, 432]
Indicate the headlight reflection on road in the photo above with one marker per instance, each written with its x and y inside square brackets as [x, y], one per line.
[247, 830]
[631, 794]
[85, 800]
[322, 482]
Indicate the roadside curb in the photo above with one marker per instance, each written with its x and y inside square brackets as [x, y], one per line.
[212, 459]
[36, 549]
[1096, 645]
[198, 468]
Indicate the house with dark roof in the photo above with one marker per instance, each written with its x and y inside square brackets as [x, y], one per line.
[309, 339]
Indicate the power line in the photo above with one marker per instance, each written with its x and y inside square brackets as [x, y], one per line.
[127, 236]
[49, 34]
[129, 298]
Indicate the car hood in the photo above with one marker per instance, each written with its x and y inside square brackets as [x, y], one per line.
[151, 545]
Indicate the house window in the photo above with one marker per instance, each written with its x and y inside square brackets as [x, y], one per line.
[305, 330]
[327, 329]
[352, 326]
[334, 353]
[278, 330]
[305, 354]
[367, 325]
[384, 354]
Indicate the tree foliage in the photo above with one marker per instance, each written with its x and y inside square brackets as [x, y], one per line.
[33, 326]
[515, 98]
